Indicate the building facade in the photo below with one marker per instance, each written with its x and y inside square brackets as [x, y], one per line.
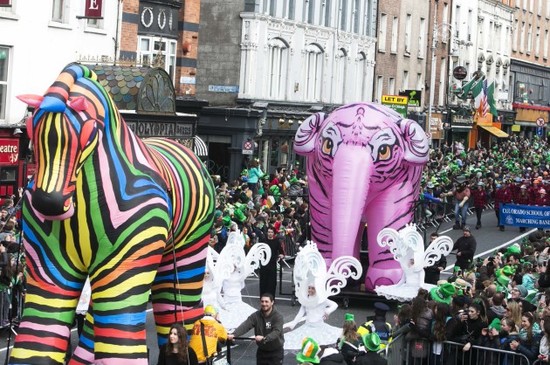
[530, 67]
[267, 65]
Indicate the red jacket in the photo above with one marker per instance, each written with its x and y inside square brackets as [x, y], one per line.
[480, 197]
[502, 196]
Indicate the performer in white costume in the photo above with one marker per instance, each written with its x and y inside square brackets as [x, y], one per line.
[407, 248]
[229, 272]
[313, 285]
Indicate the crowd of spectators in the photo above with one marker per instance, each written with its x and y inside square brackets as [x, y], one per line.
[12, 264]
[515, 171]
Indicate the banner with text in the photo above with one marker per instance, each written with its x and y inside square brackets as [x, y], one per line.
[525, 216]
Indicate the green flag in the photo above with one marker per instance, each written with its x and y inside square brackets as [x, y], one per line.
[466, 89]
[491, 100]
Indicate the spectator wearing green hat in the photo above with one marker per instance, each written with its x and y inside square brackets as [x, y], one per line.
[309, 352]
[490, 338]
[443, 293]
[371, 341]
[349, 342]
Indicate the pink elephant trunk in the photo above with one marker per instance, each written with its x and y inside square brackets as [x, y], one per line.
[350, 189]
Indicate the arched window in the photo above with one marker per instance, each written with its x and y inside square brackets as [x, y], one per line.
[360, 75]
[340, 76]
[278, 68]
[313, 72]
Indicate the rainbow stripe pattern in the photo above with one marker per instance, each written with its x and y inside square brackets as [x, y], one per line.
[134, 215]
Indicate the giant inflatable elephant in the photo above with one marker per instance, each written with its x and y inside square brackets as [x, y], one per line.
[364, 166]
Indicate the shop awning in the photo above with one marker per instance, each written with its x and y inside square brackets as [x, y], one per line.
[494, 131]
[200, 148]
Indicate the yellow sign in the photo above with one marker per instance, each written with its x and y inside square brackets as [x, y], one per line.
[395, 99]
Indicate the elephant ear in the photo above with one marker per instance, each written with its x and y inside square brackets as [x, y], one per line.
[416, 145]
[304, 142]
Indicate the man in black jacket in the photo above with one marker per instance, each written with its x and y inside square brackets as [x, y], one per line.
[268, 331]
[465, 248]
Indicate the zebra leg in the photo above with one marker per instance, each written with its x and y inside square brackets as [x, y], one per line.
[44, 333]
[120, 294]
[176, 292]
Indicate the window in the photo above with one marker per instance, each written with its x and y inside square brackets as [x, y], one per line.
[545, 48]
[391, 86]
[422, 38]
[344, 15]
[537, 42]
[327, 12]
[522, 39]
[291, 9]
[515, 35]
[360, 76]
[313, 72]
[419, 81]
[158, 52]
[382, 32]
[95, 23]
[529, 39]
[470, 23]
[405, 85]
[273, 7]
[324, 13]
[394, 34]
[4, 68]
[445, 13]
[340, 79]
[356, 16]
[458, 22]
[408, 30]
[278, 66]
[310, 12]
[379, 86]
[480, 38]
[59, 11]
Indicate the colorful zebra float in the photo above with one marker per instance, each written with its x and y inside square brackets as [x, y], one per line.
[132, 215]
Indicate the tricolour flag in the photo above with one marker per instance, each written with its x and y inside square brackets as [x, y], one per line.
[480, 97]
[491, 100]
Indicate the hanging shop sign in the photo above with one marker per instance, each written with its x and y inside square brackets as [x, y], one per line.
[397, 103]
[9, 151]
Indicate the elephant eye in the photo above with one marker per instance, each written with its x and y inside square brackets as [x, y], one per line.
[327, 146]
[384, 153]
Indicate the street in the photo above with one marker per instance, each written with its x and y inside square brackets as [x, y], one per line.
[489, 239]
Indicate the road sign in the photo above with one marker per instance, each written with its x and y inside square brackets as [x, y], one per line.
[248, 147]
[540, 130]
[541, 122]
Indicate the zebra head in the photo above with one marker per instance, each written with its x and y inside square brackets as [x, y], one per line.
[64, 133]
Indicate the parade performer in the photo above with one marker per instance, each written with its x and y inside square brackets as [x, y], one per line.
[313, 285]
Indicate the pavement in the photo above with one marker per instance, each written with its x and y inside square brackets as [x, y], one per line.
[488, 237]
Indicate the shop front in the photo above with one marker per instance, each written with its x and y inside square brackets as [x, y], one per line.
[531, 120]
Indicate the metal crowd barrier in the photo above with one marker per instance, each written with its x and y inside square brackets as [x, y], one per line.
[424, 352]
[7, 309]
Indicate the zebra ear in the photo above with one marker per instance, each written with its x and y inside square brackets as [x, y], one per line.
[78, 103]
[31, 100]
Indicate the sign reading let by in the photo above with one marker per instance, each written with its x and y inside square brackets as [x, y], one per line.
[397, 103]
[9, 151]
